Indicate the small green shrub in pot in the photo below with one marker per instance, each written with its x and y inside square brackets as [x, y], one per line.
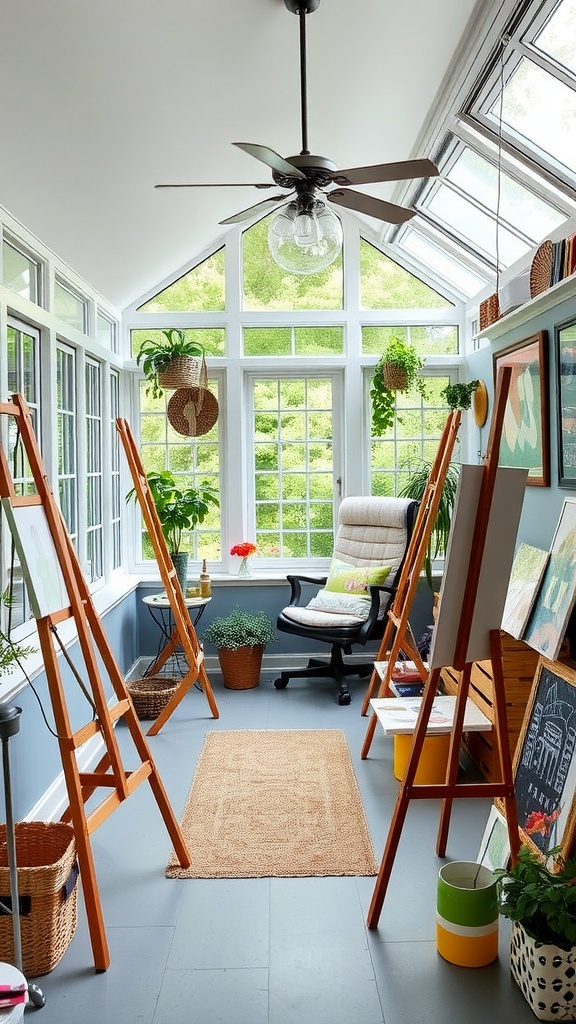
[241, 629]
[459, 396]
[543, 901]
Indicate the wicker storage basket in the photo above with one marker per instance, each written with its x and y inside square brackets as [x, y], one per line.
[193, 411]
[241, 668]
[489, 311]
[48, 892]
[184, 372]
[151, 694]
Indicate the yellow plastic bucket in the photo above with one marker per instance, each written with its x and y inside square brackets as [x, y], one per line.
[433, 758]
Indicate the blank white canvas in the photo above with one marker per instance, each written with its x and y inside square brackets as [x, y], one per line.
[43, 577]
[496, 565]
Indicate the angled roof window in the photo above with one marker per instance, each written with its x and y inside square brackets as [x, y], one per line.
[558, 37]
[442, 263]
[201, 289]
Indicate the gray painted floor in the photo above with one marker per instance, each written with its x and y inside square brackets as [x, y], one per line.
[279, 950]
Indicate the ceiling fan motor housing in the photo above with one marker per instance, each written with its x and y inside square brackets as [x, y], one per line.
[319, 171]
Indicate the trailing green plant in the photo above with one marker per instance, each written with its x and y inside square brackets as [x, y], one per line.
[11, 653]
[156, 356]
[543, 901]
[459, 396]
[414, 488]
[241, 629]
[177, 509]
[400, 357]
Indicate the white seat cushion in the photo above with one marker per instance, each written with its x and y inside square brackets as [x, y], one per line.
[312, 617]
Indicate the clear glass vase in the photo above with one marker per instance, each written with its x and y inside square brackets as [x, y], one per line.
[245, 568]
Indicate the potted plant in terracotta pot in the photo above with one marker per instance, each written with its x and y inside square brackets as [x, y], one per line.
[178, 510]
[541, 903]
[177, 362]
[398, 369]
[240, 639]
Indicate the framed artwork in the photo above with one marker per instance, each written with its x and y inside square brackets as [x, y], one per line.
[548, 622]
[527, 572]
[545, 760]
[525, 442]
[494, 849]
[565, 336]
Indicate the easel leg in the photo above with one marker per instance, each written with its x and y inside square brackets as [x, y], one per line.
[453, 759]
[501, 727]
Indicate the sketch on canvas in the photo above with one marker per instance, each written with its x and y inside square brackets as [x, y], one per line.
[494, 849]
[527, 572]
[555, 599]
[41, 570]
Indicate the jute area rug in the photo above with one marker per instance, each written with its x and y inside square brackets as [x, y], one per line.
[275, 803]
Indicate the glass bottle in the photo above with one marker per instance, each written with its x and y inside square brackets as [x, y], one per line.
[205, 584]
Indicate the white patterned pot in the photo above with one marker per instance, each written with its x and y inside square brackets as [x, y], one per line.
[545, 974]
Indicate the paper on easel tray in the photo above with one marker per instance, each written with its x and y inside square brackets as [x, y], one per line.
[403, 671]
[398, 716]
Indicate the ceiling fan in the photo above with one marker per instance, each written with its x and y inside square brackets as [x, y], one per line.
[306, 220]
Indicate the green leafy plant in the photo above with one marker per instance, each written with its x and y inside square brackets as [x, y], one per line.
[241, 629]
[459, 396]
[178, 510]
[415, 488]
[10, 653]
[156, 356]
[543, 901]
[398, 369]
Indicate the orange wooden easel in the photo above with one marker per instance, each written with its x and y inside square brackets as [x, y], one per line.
[451, 789]
[183, 633]
[397, 634]
[110, 772]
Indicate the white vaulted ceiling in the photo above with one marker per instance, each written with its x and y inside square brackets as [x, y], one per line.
[101, 100]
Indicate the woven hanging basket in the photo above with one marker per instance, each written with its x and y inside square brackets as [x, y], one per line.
[241, 668]
[151, 694]
[184, 372]
[193, 411]
[47, 889]
[395, 377]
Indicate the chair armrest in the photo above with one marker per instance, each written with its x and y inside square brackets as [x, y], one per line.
[296, 589]
[375, 591]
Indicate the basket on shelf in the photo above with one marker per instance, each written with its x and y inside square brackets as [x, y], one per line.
[48, 893]
[184, 372]
[489, 311]
[150, 694]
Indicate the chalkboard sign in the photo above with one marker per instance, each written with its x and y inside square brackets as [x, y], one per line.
[545, 760]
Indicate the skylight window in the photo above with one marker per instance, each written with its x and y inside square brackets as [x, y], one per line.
[541, 110]
[441, 263]
[461, 215]
[558, 37]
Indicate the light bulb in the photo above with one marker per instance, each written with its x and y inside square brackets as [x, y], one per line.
[305, 240]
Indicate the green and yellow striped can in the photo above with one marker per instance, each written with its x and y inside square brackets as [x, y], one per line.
[467, 914]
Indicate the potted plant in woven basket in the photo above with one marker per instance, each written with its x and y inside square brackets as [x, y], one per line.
[240, 639]
[177, 362]
[178, 510]
[398, 369]
[541, 903]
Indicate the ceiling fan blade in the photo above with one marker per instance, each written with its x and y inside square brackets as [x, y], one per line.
[263, 207]
[373, 207]
[270, 158]
[220, 184]
[399, 171]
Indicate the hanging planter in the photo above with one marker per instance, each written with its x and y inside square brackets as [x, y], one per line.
[397, 370]
[177, 362]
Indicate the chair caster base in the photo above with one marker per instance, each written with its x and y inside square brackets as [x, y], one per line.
[280, 683]
[344, 698]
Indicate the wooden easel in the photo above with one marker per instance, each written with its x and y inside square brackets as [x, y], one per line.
[450, 789]
[183, 633]
[397, 634]
[110, 772]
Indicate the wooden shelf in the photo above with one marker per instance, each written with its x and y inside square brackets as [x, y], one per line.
[565, 289]
[519, 666]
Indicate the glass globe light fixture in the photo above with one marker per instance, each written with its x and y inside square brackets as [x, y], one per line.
[304, 237]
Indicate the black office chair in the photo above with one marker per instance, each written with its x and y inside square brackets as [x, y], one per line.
[350, 609]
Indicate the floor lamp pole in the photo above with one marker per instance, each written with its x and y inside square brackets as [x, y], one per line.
[10, 726]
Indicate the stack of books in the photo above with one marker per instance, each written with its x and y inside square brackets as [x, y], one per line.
[406, 680]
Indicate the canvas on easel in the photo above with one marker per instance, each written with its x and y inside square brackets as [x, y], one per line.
[58, 592]
[466, 633]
